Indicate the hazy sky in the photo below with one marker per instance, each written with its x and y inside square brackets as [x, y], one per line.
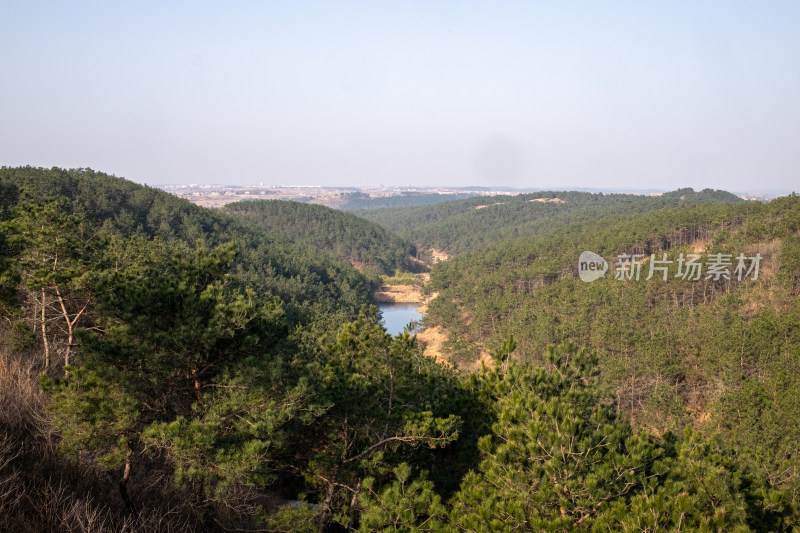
[524, 94]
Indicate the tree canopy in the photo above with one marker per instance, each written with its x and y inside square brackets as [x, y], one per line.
[167, 367]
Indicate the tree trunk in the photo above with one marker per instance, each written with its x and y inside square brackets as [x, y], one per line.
[197, 388]
[123, 487]
[69, 325]
[44, 335]
[325, 512]
[353, 507]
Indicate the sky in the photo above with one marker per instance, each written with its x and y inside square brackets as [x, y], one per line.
[648, 95]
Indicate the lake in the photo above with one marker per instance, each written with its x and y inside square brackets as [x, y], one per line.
[397, 316]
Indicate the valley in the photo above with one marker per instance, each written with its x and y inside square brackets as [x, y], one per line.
[163, 363]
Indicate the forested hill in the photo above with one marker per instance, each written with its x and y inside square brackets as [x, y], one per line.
[359, 200]
[165, 367]
[720, 352]
[363, 243]
[464, 225]
[302, 276]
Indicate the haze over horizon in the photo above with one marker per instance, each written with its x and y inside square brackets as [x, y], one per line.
[515, 94]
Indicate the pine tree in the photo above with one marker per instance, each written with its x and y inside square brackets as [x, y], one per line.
[184, 366]
[384, 400]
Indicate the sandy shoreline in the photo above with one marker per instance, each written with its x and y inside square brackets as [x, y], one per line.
[398, 294]
[431, 338]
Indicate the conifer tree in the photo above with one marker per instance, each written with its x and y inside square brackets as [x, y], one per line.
[183, 366]
[384, 399]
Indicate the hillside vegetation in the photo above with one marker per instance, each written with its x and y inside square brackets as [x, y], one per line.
[165, 367]
[347, 236]
[107, 210]
[465, 225]
[714, 354]
[359, 200]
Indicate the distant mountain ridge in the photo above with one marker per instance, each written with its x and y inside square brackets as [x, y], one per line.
[465, 225]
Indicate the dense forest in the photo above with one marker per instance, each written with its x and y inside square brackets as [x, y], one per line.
[716, 353]
[347, 236]
[472, 223]
[355, 201]
[165, 367]
[104, 209]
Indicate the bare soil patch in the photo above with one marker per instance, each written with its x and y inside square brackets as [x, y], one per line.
[548, 200]
[439, 255]
[434, 338]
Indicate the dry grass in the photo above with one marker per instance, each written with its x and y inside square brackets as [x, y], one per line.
[434, 339]
[398, 294]
[42, 490]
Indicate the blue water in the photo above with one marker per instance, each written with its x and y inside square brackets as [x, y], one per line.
[397, 316]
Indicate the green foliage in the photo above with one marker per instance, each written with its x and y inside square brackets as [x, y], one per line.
[568, 450]
[469, 224]
[667, 349]
[231, 440]
[59, 243]
[404, 505]
[561, 458]
[384, 399]
[21, 337]
[680, 334]
[362, 201]
[186, 366]
[313, 284]
[343, 234]
[9, 273]
[291, 519]
[93, 415]
[56, 248]
[502, 354]
[233, 367]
